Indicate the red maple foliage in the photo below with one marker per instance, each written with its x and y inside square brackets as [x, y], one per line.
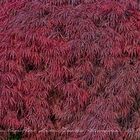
[69, 69]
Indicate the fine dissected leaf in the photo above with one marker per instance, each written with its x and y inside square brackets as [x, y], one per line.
[69, 69]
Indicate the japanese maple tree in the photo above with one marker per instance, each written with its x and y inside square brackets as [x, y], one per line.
[70, 69]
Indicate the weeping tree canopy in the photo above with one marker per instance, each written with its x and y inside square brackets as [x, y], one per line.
[70, 69]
